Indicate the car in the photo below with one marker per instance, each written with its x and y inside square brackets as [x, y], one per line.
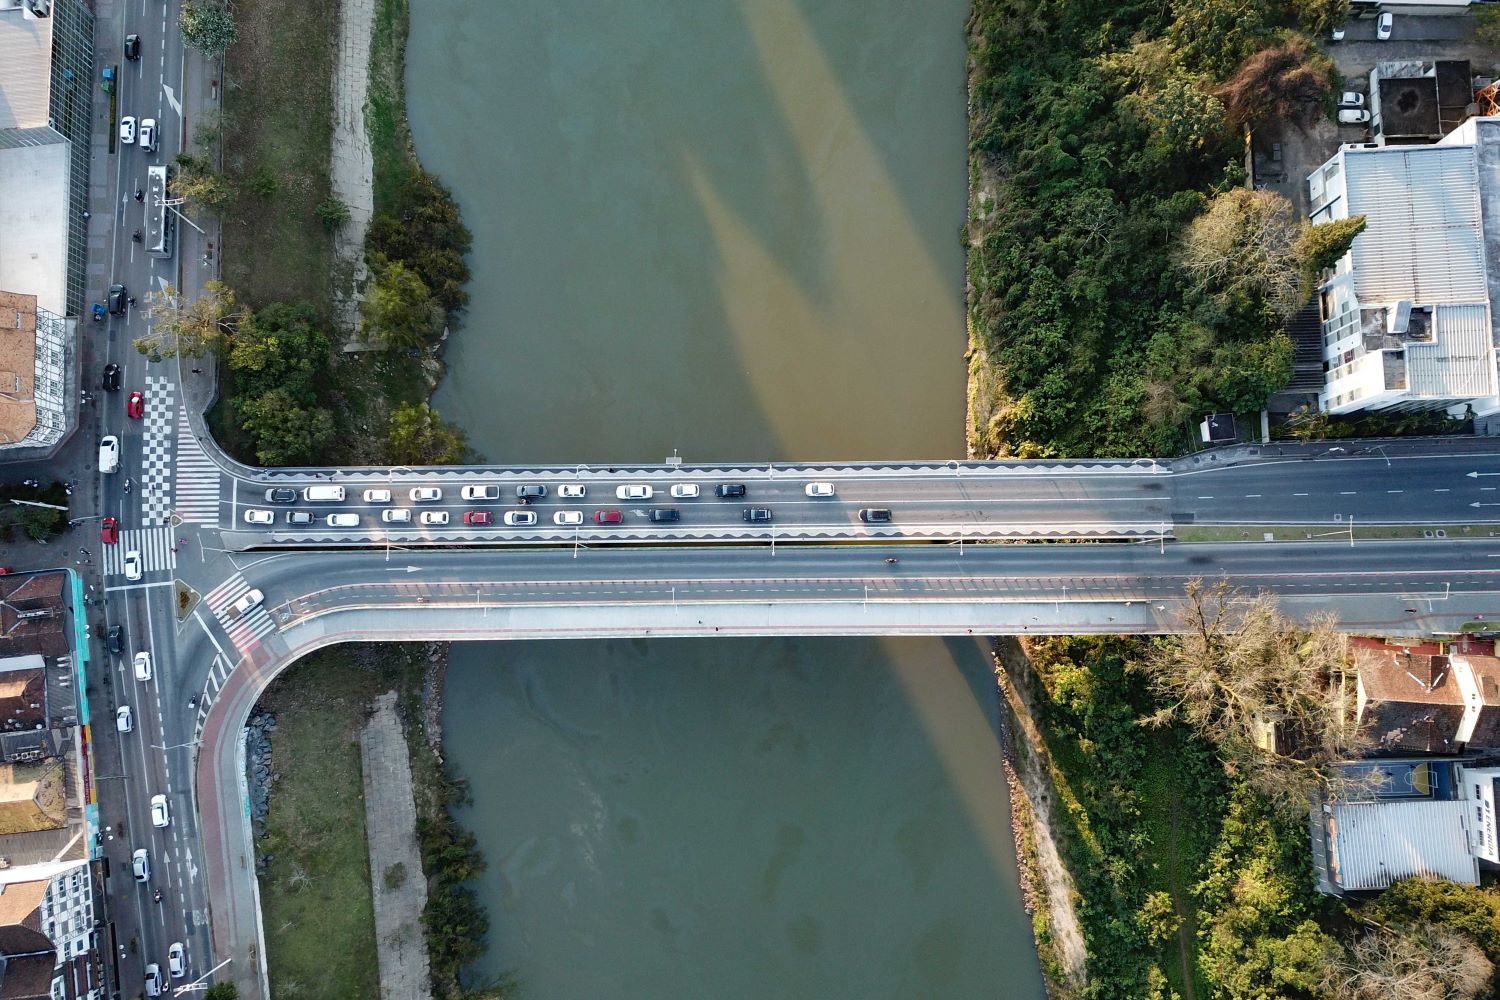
[875, 515]
[531, 491]
[251, 598]
[254, 516]
[1383, 26]
[133, 565]
[346, 520]
[756, 515]
[819, 489]
[132, 47]
[119, 298]
[127, 130]
[1351, 99]
[148, 135]
[478, 518]
[568, 518]
[109, 531]
[1337, 35]
[177, 960]
[480, 492]
[425, 494]
[281, 494]
[123, 721]
[109, 453]
[299, 517]
[396, 515]
[520, 518]
[725, 490]
[607, 517]
[111, 379]
[634, 491]
[434, 517]
[135, 405]
[140, 865]
[1353, 116]
[161, 817]
[684, 491]
[661, 515]
[153, 980]
[116, 639]
[572, 491]
[143, 666]
[377, 496]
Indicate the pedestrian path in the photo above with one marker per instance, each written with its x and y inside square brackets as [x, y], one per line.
[156, 450]
[247, 630]
[154, 545]
[195, 476]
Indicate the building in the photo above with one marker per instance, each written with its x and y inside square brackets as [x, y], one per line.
[1406, 314]
[1423, 698]
[1417, 102]
[46, 928]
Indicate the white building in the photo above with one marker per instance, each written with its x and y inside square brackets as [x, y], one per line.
[1406, 314]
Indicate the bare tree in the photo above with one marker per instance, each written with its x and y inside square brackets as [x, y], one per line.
[1249, 240]
[1282, 83]
[1423, 961]
[189, 329]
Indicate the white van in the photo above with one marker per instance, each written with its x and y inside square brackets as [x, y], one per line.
[109, 454]
[324, 494]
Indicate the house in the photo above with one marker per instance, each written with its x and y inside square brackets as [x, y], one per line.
[1406, 314]
[1415, 101]
[45, 926]
[1423, 698]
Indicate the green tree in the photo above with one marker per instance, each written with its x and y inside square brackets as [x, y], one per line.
[1213, 36]
[1320, 246]
[1245, 247]
[426, 232]
[1320, 17]
[279, 347]
[287, 433]
[208, 26]
[197, 183]
[334, 213]
[419, 436]
[221, 991]
[262, 184]
[189, 329]
[398, 311]
[1487, 25]
[39, 523]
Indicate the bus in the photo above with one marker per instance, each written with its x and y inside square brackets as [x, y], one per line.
[161, 221]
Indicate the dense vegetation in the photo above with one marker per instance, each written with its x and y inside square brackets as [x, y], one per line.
[1101, 132]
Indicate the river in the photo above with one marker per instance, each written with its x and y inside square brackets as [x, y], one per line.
[726, 229]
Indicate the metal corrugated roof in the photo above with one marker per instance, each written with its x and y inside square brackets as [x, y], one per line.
[1373, 844]
[1461, 361]
[25, 69]
[1423, 239]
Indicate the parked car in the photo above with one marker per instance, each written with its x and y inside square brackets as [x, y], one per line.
[127, 130]
[756, 515]
[124, 722]
[377, 496]
[177, 960]
[299, 517]
[111, 380]
[1353, 116]
[634, 491]
[143, 666]
[531, 492]
[153, 980]
[572, 491]
[345, 520]
[819, 489]
[148, 135]
[607, 517]
[254, 516]
[281, 494]
[119, 297]
[132, 47]
[875, 515]
[1351, 99]
[133, 565]
[478, 518]
[684, 490]
[396, 515]
[434, 517]
[109, 531]
[161, 818]
[520, 518]
[1337, 35]
[568, 518]
[662, 515]
[480, 492]
[726, 490]
[140, 865]
[116, 639]
[1383, 26]
[425, 494]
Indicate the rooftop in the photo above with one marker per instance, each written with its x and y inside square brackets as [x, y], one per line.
[17, 365]
[1372, 844]
[34, 220]
[25, 66]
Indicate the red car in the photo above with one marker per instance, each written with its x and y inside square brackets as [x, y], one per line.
[607, 517]
[111, 531]
[135, 406]
[478, 517]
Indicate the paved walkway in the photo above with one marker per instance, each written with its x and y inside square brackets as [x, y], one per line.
[391, 826]
[352, 166]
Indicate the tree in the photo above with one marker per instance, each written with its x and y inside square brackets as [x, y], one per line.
[425, 231]
[196, 182]
[1282, 83]
[208, 26]
[398, 311]
[39, 522]
[287, 433]
[334, 213]
[1320, 247]
[1319, 17]
[1212, 36]
[181, 329]
[1246, 244]
[278, 348]
[1421, 961]
[419, 436]
[1231, 672]
[221, 991]
[1487, 25]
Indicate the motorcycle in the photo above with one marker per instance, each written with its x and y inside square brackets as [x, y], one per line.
[135, 237]
[892, 559]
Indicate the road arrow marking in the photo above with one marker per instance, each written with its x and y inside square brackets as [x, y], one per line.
[1476, 503]
[1476, 475]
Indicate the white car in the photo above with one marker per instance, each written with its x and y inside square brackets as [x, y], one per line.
[140, 865]
[572, 491]
[253, 516]
[109, 453]
[148, 135]
[160, 818]
[684, 490]
[1351, 99]
[396, 515]
[153, 980]
[568, 518]
[634, 491]
[251, 598]
[425, 494]
[127, 130]
[377, 496]
[1353, 116]
[123, 721]
[143, 666]
[1338, 34]
[342, 520]
[133, 564]
[1383, 26]
[434, 517]
[480, 492]
[177, 960]
[820, 489]
[520, 518]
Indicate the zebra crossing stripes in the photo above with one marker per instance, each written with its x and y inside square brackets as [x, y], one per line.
[246, 630]
[195, 476]
[154, 545]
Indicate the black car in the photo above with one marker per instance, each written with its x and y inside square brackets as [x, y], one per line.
[729, 490]
[872, 514]
[117, 639]
[281, 494]
[132, 46]
[111, 377]
[663, 514]
[117, 297]
[531, 492]
[757, 515]
[299, 517]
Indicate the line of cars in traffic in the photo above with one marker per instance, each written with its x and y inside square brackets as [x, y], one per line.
[525, 494]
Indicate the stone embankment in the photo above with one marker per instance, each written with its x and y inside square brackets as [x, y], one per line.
[260, 777]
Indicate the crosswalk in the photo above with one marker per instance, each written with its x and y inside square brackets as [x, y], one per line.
[156, 450]
[245, 631]
[196, 477]
[154, 545]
